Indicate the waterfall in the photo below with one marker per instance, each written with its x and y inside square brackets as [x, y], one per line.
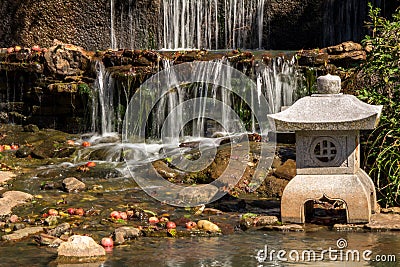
[112, 26]
[279, 82]
[200, 23]
[105, 113]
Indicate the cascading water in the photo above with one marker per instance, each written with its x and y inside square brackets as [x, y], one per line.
[105, 118]
[198, 24]
[279, 83]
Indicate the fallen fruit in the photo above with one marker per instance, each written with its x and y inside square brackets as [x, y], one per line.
[71, 211]
[52, 212]
[36, 48]
[10, 50]
[107, 242]
[85, 144]
[170, 225]
[115, 215]
[79, 211]
[123, 215]
[14, 147]
[190, 225]
[91, 164]
[7, 147]
[153, 220]
[17, 48]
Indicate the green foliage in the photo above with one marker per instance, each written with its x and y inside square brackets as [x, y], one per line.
[380, 85]
[84, 88]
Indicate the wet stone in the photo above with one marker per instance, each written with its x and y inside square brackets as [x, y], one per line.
[23, 152]
[80, 247]
[22, 233]
[349, 227]
[72, 184]
[387, 222]
[5, 176]
[12, 199]
[59, 230]
[125, 233]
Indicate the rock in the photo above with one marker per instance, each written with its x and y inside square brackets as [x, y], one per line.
[346, 54]
[384, 222]
[59, 229]
[287, 170]
[23, 152]
[11, 199]
[163, 169]
[344, 47]
[391, 210]
[257, 221]
[31, 128]
[123, 233]
[18, 226]
[71, 184]
[48, 240]
[5, 176]
[289, 228]
[80, 247]
[265, 220]
[22, 233]
[208, 226]
[66, 60]
[348, 227]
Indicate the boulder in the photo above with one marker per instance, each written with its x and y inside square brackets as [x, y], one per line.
[66, 60]
[346, 54]
[287, 170]
[71, 184]
[12, 199]
[80, 247]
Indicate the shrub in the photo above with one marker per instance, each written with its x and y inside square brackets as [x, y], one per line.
[379, 84]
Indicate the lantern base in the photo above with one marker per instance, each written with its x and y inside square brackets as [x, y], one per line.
[356, 190]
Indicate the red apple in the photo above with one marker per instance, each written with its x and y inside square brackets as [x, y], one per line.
[79, 211]
[123, 215]
[91, 164]
[10, 50]
[52, 212]
[190, 225]
[107, 242]
[1, 148]
[71, 211]
[85, 144]
[14, 147]
[170, 225]
[115, 215]
[153, 220]
[36, 48]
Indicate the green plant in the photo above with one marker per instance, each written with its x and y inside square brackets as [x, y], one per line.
[379, 84]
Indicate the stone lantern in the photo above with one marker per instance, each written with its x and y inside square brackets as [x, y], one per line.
[327, 127]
